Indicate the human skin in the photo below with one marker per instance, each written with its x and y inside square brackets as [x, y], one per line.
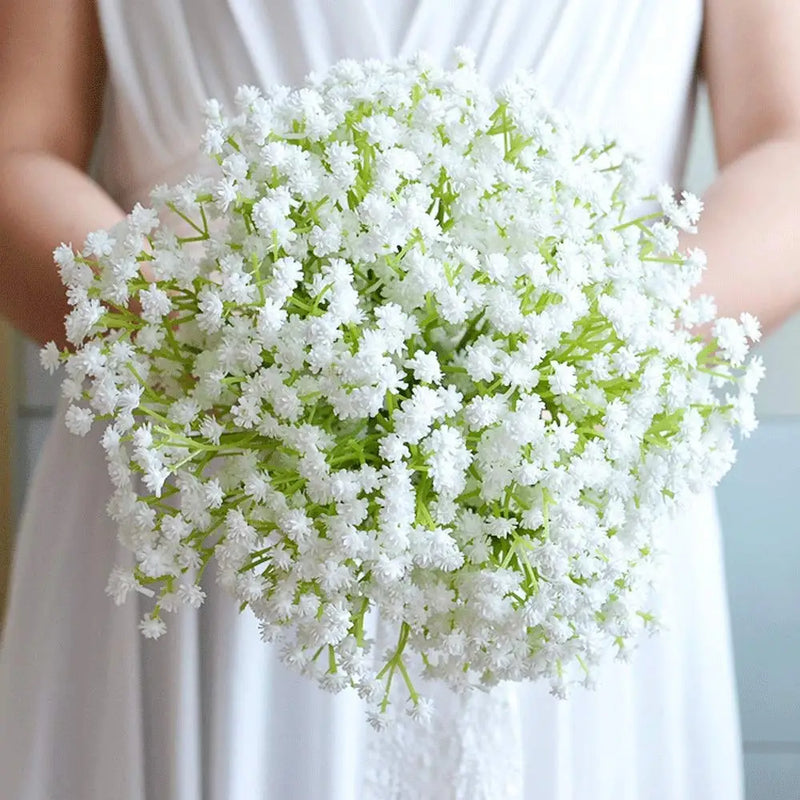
[750, 228]
[52, 73]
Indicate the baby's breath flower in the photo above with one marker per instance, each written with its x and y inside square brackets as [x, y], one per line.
[152, 627]
[50, 357]
[406, 351]
[78, 420]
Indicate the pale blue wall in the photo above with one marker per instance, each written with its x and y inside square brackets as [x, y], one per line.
[759, 503]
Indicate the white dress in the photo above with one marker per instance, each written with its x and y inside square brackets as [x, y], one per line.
[89, 710]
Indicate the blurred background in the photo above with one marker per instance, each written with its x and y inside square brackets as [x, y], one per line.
[759, 505]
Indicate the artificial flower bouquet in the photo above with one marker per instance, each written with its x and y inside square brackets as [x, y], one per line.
[405, 352]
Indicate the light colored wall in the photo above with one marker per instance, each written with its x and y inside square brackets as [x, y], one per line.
[7, 427]
[759, 508]
[37, 394]
[759, 505]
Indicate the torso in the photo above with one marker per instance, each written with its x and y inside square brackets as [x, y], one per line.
[625, 65]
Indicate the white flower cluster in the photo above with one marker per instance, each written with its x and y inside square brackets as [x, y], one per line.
[406, 352]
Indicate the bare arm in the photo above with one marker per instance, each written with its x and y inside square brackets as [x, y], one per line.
[51, 79]
[751, 225]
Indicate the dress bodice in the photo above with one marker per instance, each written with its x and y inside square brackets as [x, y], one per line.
[627, 66]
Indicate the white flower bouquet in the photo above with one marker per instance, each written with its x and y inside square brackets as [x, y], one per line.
[404, 352]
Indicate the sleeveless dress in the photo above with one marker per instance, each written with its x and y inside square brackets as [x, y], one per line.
[89, 710]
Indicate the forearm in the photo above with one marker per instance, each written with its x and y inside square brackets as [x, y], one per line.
[750, 230]
[44, 201]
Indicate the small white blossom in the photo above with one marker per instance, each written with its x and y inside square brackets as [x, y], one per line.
[50, 357]
[152, 627]
[564, 378]
[78, 420]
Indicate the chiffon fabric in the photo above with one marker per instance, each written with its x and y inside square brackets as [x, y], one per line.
[89, 710]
